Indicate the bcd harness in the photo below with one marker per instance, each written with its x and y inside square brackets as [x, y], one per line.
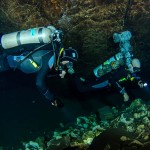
[35, 64]
[29, 56]
[58, 59]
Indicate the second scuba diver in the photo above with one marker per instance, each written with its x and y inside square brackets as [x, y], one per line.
[113, 72]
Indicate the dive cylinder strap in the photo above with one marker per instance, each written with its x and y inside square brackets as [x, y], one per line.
[58, 58]
[29, 54]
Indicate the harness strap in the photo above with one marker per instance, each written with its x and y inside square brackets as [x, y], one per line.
[58, 58]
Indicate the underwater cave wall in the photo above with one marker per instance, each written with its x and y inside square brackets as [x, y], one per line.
[88, 25]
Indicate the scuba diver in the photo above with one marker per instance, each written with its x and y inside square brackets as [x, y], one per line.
[115, 71]
[40, 51]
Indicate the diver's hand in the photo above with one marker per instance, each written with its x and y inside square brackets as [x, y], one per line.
[140, 84]
[126, 97]
[57, 103]
[54, 103]
[62, 74]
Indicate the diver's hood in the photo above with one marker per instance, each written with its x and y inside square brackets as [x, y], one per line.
[69, 55]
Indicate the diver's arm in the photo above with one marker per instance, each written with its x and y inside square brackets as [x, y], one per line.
[42, 76]
[41, 83]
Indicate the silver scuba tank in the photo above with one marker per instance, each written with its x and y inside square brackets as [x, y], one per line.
[113, 63]
[36, 35]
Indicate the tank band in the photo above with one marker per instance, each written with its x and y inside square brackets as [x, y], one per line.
[18, 38]
[40, 35]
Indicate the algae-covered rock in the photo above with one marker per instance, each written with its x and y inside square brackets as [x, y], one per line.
[58, 144]
[123, 130]
[136, 104]
[32, 145]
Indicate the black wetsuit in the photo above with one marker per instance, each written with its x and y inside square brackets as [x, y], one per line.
[41, 58]
[110, 79]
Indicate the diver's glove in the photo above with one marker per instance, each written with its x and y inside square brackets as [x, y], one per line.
[57, 103]
[140, 84]
[70, 68]
[126, 97]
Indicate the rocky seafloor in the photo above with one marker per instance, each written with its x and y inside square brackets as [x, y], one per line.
[108, 129]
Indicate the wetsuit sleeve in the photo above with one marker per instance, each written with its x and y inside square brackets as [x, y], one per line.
[41, 79]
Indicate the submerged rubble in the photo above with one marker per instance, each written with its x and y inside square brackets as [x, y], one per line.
[128, 128]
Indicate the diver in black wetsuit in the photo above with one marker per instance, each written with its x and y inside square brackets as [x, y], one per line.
[41, 60]
[115, 78]
[114, 71]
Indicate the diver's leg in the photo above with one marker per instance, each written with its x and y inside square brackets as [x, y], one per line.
[79, 84]
[86, 86]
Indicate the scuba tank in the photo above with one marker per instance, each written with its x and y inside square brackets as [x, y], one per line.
[109, 65]
[124, 44]
[124, 57]
[41, 35]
